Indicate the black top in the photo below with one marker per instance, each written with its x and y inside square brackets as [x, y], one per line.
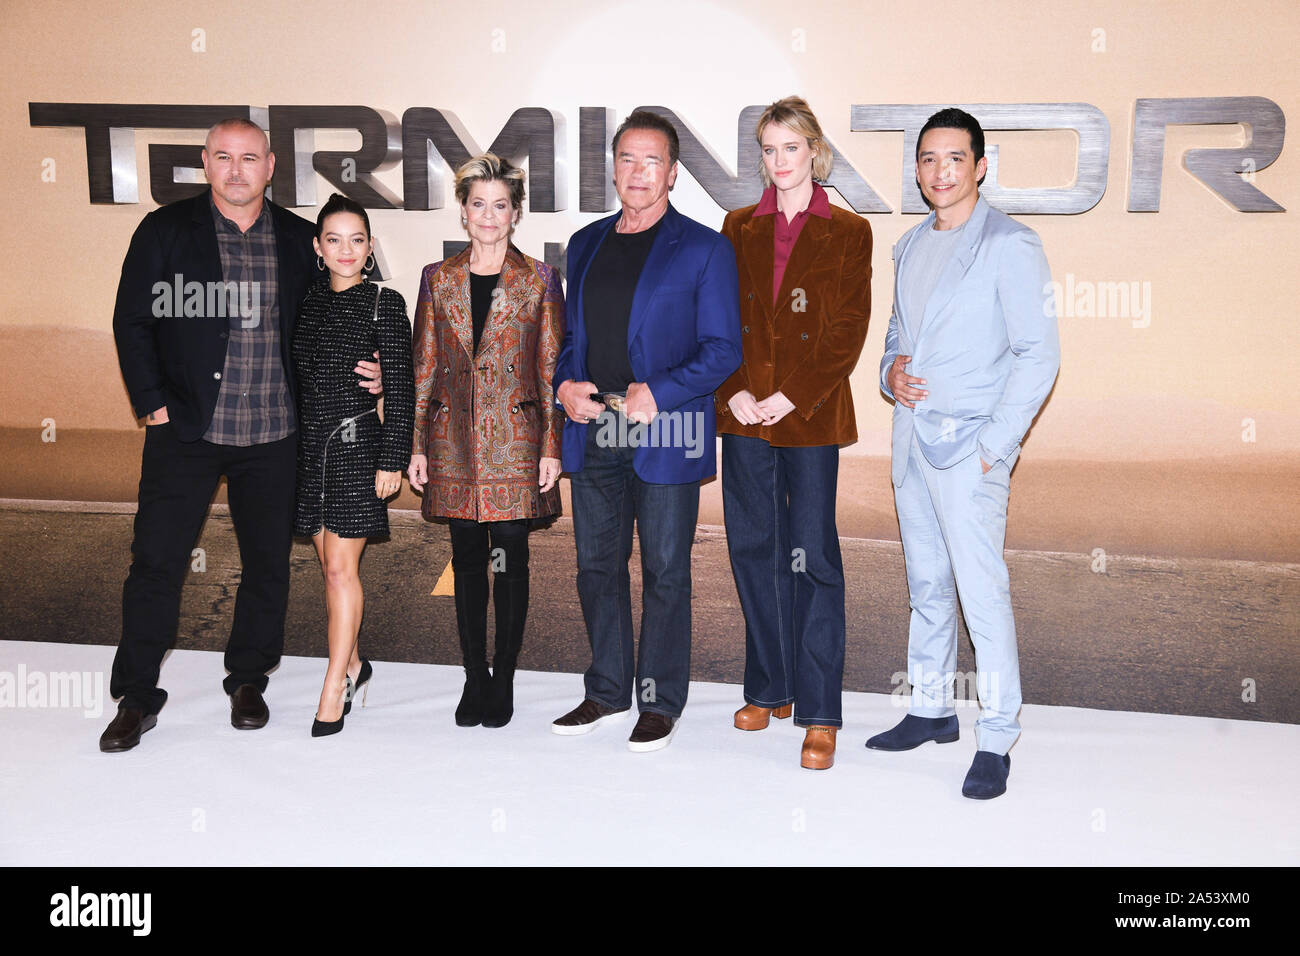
[607, 305]
[480, 301]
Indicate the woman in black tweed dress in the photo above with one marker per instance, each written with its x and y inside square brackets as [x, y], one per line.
[349, 461]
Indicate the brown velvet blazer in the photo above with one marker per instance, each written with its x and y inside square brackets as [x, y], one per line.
[809, 354]
[486, 420]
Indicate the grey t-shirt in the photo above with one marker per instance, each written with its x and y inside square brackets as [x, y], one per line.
[927, 254]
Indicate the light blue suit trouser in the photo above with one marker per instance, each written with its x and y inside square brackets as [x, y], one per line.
[953, 523]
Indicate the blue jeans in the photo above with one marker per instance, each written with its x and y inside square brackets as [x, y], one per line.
[779, 507]
[607, 498]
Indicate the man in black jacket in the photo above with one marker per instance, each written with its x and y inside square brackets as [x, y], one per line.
[204, 319]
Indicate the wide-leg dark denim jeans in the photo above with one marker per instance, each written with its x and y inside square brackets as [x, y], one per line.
[779, 507]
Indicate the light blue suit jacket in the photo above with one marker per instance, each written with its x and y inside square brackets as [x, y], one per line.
[987, 345]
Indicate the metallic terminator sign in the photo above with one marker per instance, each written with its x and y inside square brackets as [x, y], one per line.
[430, 142]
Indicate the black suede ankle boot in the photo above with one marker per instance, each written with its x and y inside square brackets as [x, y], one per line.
[478, 683]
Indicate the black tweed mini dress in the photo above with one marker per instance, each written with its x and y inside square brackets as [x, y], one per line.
[341, 442]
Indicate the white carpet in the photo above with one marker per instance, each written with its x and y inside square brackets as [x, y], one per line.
[403, 785]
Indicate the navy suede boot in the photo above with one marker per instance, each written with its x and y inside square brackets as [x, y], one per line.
[912, 731]
[987, 777]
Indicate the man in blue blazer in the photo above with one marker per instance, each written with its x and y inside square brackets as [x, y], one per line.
[653, 328]
[970, 356]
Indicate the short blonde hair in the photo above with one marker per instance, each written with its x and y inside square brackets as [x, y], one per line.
[491, 168]
[794, 113]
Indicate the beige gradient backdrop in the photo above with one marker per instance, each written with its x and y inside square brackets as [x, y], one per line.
[1140, 448]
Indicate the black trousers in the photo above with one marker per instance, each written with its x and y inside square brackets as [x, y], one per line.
[502, 546]
[472, 544]
[177, 482]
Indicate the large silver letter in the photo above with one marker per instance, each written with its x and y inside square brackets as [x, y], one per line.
[1220, 169]
[596, 125]
[293, 142]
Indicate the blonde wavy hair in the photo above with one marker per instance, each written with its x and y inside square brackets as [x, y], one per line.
[793, 112]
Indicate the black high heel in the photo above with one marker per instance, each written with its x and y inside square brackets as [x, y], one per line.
[324, 728]
[363, 680]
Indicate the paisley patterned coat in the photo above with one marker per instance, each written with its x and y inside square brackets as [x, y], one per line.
[486, 420]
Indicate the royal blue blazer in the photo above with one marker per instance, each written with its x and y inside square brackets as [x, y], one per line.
[683, 340]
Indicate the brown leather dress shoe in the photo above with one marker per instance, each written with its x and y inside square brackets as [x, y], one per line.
[248, 710]
[818, 748]
[125, 730]
[750, 717]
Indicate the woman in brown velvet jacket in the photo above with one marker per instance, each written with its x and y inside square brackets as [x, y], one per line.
[805, 288]
[489, 323]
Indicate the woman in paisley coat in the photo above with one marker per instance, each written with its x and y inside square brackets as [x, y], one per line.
[349, 461]
[489, 323]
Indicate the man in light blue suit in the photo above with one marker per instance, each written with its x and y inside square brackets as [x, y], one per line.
[653, 328]
[970, 356]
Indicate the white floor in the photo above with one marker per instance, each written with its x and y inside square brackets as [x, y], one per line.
[403, 785]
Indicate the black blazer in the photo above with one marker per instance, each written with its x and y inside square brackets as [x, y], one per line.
[176, 360]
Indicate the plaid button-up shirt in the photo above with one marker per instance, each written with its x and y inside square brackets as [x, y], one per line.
[254, 405]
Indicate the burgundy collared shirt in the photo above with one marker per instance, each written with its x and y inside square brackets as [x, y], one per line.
[787, 233]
